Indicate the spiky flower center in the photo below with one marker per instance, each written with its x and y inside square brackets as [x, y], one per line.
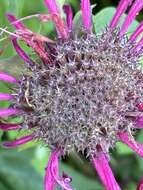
[86, 96]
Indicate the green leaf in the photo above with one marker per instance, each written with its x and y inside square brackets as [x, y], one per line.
[102, 19]
[41, 156]
[17, 172]
[123, 149]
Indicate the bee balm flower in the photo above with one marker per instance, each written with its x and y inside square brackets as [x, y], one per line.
[85, 94]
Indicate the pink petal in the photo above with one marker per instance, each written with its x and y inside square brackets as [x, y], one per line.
[69, 16]
[128, 140]
[13, 20]
[49, 180]
[59, 23]
[137, 32]
[52, 175]
[8, 127]
[6, 112]
[4, 96]
[7, 78]
[20, 51]
[52, 6]
[103, 169]
[139, 123]
[137, 6]
[140, 185]
[18, 142]
[122, 7]
[86, 14]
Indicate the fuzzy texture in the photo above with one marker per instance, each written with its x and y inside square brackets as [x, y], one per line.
[86, 96]
[86, 92]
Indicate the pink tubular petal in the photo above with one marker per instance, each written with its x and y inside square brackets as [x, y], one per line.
[8, 112]
[128, 140]
[7, 78]
[59, 23]
[137, 6]
[17, 24]
[8, 127]
[49, 181]
[103, 169]
[69, 16]
[86, 14]
[20, 51]
[137, 32]
[122, 7]
[18, 142]
[4, 96]
[52, 6]
[140, 185]
[52, 175]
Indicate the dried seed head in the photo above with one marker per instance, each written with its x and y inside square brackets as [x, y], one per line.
[86, 95]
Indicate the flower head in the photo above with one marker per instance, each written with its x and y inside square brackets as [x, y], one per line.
[86, 92]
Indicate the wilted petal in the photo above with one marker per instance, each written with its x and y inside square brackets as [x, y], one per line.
[103, 169]
[137, 6]
[20, 51]
[17, 142]
[7, 78]
[69, 16]
[4, 96]
[122, 7]
[140, 185]
[6, 112]
[128, 140]
[137, 32]
[8, 127]
[86, 14]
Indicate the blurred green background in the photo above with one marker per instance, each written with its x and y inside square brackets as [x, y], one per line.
[23, 168]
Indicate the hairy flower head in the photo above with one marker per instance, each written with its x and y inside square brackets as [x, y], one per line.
[85, 94]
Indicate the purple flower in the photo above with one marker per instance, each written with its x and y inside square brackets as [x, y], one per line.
[85, 91]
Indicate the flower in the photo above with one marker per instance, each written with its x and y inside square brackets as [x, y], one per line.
[84, 93]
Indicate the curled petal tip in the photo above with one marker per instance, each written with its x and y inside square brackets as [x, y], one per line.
[52, 174]
[49, 180]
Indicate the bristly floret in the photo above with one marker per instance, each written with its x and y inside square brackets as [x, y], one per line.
[86, 96]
